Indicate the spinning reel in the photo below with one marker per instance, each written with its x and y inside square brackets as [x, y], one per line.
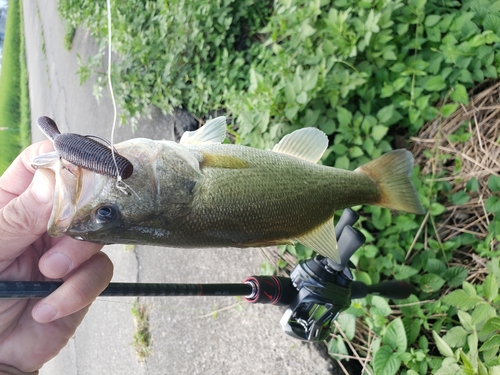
[316, 292]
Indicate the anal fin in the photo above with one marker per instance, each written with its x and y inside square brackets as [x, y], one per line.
[322, 240]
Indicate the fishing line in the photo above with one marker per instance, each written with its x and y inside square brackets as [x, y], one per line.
[120, 185]
[111, 91]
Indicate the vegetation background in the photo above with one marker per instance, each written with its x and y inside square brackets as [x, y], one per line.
[372, 75]
[15, 131]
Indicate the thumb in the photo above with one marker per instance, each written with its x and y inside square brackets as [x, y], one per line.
[24, 219]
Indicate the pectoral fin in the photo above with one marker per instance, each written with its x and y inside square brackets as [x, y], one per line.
[307, 144]
[322, 240]
[48, 160]
[214, 131]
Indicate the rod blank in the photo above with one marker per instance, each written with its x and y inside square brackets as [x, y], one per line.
[34, 289]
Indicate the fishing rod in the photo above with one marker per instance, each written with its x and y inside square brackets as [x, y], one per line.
[316, 292]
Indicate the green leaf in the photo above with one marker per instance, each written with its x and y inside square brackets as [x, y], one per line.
[431, 283]
[328, 127]
[301, 98]
[435, 83]
[492, 204]
[395, 336]
[451, 368]
[437, 209]
[494, 183]
[339, 149]
[460, 197]
[307, 31]
[460, 299]
[387, 91]
[291, 112]
[459, 94]
[385, 114]
[465, 320]
[412, 328]
[472, 185]
[431, 20]
[342, 162]
[404, 272]
[380, 306]
[386, 362]
[379, 132]
[337, 346]
[490, 288]
[456, 337]
[267, 268]
[348, 324]
[469, 289]
[455, 275]
[344, 116]
[442, 346]
[448, 109]
[491, 325]
[297, 80]
[482, 312]
[355, 152]
[311, 79]
[491, 343]
[290, 93]
[492, 22]
[435, 266]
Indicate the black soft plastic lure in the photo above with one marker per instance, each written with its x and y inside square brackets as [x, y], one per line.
[86, 152]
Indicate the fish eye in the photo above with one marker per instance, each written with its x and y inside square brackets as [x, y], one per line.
[106, 214]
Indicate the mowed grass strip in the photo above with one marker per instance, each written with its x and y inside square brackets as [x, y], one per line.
[14, 102]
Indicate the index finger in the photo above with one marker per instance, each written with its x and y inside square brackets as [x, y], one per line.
[18, 176]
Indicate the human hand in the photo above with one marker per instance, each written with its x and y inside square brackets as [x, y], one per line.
[34, 331]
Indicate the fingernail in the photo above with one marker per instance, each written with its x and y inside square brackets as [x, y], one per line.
[41, 186]
[44, 313]
[56, 265]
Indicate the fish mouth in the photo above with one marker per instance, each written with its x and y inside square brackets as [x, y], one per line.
[71, 192]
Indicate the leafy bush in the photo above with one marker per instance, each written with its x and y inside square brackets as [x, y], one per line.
[361, 70]
[171, 53]
[367, 73]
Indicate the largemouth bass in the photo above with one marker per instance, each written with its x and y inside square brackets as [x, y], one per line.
[202, 193]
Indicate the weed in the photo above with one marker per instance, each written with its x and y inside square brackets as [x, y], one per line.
[129, 247]
[69, 35]
[142, 336]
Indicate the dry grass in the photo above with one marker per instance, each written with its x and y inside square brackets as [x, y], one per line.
[457, 162]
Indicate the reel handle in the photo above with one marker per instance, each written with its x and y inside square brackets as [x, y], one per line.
[389, 289]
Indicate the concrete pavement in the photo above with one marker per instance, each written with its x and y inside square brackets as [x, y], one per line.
[187, 337]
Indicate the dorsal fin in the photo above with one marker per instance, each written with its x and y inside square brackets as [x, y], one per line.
[307, 143]
[214, 131]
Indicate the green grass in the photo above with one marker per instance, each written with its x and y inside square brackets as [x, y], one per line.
[69, 35]
[142, 336]
[14, 102]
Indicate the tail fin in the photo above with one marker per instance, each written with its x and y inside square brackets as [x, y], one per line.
[392, 172]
